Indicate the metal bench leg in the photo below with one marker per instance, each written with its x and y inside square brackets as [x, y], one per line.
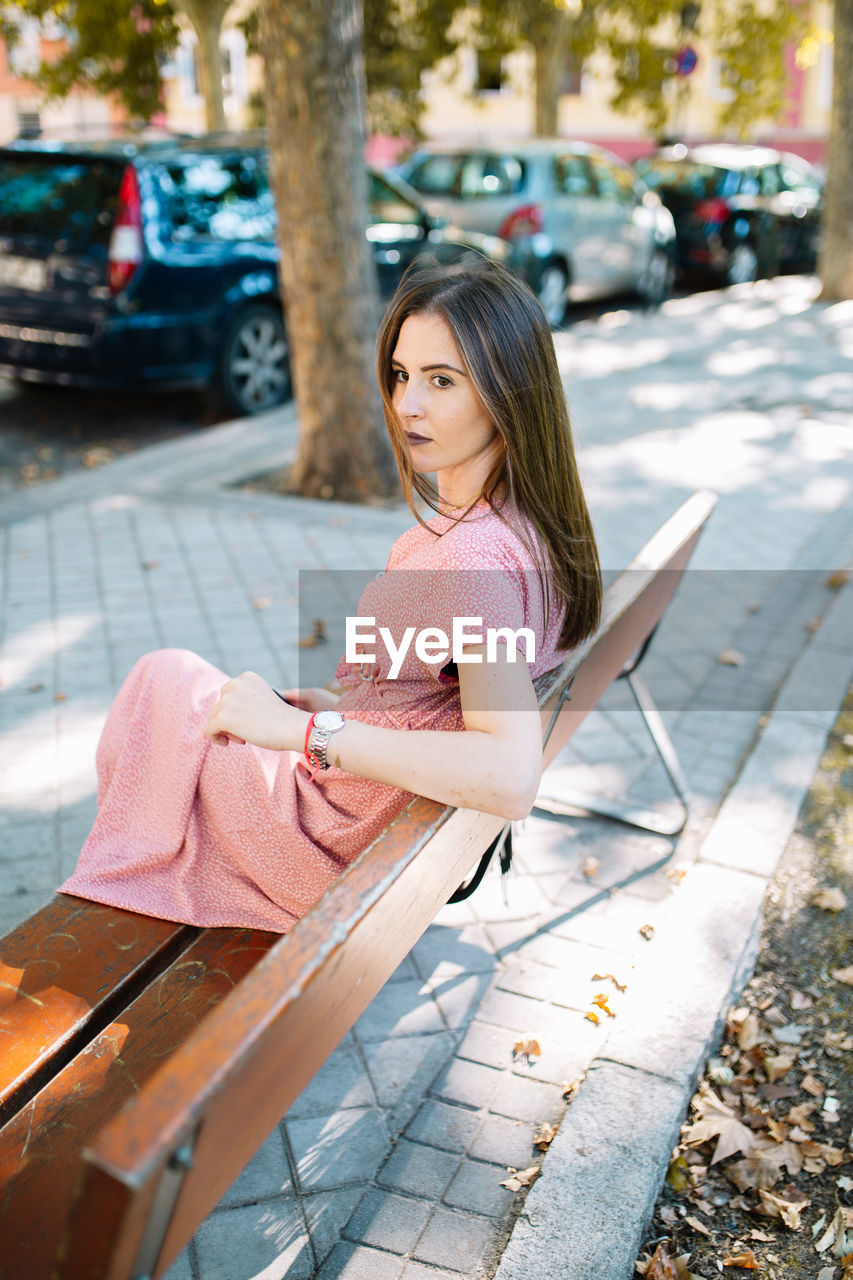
[644, 819]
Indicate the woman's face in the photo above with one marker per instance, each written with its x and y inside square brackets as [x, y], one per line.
[445, 425]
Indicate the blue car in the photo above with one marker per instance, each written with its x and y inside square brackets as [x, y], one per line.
[154, 262]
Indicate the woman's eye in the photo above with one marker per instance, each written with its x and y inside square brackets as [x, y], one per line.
[442, 380]
[400, 375]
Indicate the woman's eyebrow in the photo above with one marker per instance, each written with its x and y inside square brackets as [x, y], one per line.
[428, 368]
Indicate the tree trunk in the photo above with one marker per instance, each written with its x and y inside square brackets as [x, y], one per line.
[835, 259]
[206, 17]
[549, 49]
[315, 98]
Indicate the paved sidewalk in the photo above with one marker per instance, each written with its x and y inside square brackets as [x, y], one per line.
[390, 1164]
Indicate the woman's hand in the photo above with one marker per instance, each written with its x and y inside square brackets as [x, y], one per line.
[312, 699]
[248, 710]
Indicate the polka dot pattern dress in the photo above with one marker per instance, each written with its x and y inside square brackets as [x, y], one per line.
[243, 836]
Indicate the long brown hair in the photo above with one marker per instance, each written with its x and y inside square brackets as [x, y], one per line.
[506, 345]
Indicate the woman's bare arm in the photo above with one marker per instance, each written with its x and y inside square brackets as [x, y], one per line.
[493, 766]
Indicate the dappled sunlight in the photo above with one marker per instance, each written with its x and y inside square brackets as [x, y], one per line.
[597, 358]
[740, 358]
[26, 651]
[70, 764]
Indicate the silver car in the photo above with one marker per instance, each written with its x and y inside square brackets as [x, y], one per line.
[584, 224]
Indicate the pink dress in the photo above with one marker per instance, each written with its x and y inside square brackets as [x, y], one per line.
[242, 835]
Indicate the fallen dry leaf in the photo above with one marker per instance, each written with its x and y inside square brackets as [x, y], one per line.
[646, 931]
[787, 1204]
[827, 1273]
[749, 1033]
[590, 868]
[262, 602]
[776, 1067]
[843, 975]
[603, 977]
[829, 899]
[838, 1235]
[812, 1085]
[318, 635]
[697, 1225]
[570, 1089]
[753, 1173]
[544, 1136]
[731, 658]
[838, 579]
[661, 1265]
[527, 1047]
[720, 1122]
[592, 1017]
[600, 1002]
[747, 1260]
[517, 1180]
[755, 1234]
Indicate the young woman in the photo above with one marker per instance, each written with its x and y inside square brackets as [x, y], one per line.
[219, 803]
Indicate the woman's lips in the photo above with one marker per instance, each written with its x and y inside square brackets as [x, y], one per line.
[414, 438]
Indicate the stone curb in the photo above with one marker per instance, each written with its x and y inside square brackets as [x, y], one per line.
[586, 1215]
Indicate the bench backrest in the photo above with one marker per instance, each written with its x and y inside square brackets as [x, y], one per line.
[192, 1097]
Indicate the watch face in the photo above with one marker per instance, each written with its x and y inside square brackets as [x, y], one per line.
[329, 720]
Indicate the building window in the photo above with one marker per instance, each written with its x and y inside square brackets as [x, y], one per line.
[490, 76]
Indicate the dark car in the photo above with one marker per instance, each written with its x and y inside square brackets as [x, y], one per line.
[740, 212]
[155, 263]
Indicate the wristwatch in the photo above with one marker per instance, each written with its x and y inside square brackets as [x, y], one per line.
[321, 727]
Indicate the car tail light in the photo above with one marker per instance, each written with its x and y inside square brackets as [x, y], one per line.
[125, 251]
[527, 220]
[716, 209]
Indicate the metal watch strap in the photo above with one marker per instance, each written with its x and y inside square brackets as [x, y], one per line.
[318, 742]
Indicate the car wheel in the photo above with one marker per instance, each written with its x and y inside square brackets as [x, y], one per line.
[254, 368]
[656, 282]
[551, 293]
[743, 264]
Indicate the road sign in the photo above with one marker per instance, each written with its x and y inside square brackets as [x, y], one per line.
[685, 60]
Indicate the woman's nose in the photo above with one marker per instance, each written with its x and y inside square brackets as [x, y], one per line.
[409, 401]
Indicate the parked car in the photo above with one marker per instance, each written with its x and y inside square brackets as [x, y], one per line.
[155, 262]
[586, 225]
[740, 212]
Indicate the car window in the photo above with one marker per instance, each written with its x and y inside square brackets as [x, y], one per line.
[217, 198]
[613, 183]
[770, 183]
[388, 205]
[70, 201]
[793, 178]
[688, 178]
[435, 175]
[573, 175]
[750, 183]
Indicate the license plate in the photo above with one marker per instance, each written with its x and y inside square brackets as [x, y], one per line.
[22, 273]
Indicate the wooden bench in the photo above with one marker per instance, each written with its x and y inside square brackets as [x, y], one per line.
[142, 1063]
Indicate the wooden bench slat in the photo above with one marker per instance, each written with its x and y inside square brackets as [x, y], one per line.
[60, 973]
[40, 1145]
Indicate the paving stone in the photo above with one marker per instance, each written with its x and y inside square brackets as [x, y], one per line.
[402, 1069]
[529, 1100]
[355, 1262]
[400, 1009]
[272, 1239]
[505, 1142]
[455, 1240]
[477, 1188]
[466, 1083]
[341, 1082]
[418, 1271]
[440, 1125]
[327, 1213]
[418, 1170]
[267, 1174]
[388, 1221]
[334, 1150]
[458, 994]
[468, 948]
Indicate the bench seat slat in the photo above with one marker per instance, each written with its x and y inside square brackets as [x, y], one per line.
[60, 973]
[40, 1145]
